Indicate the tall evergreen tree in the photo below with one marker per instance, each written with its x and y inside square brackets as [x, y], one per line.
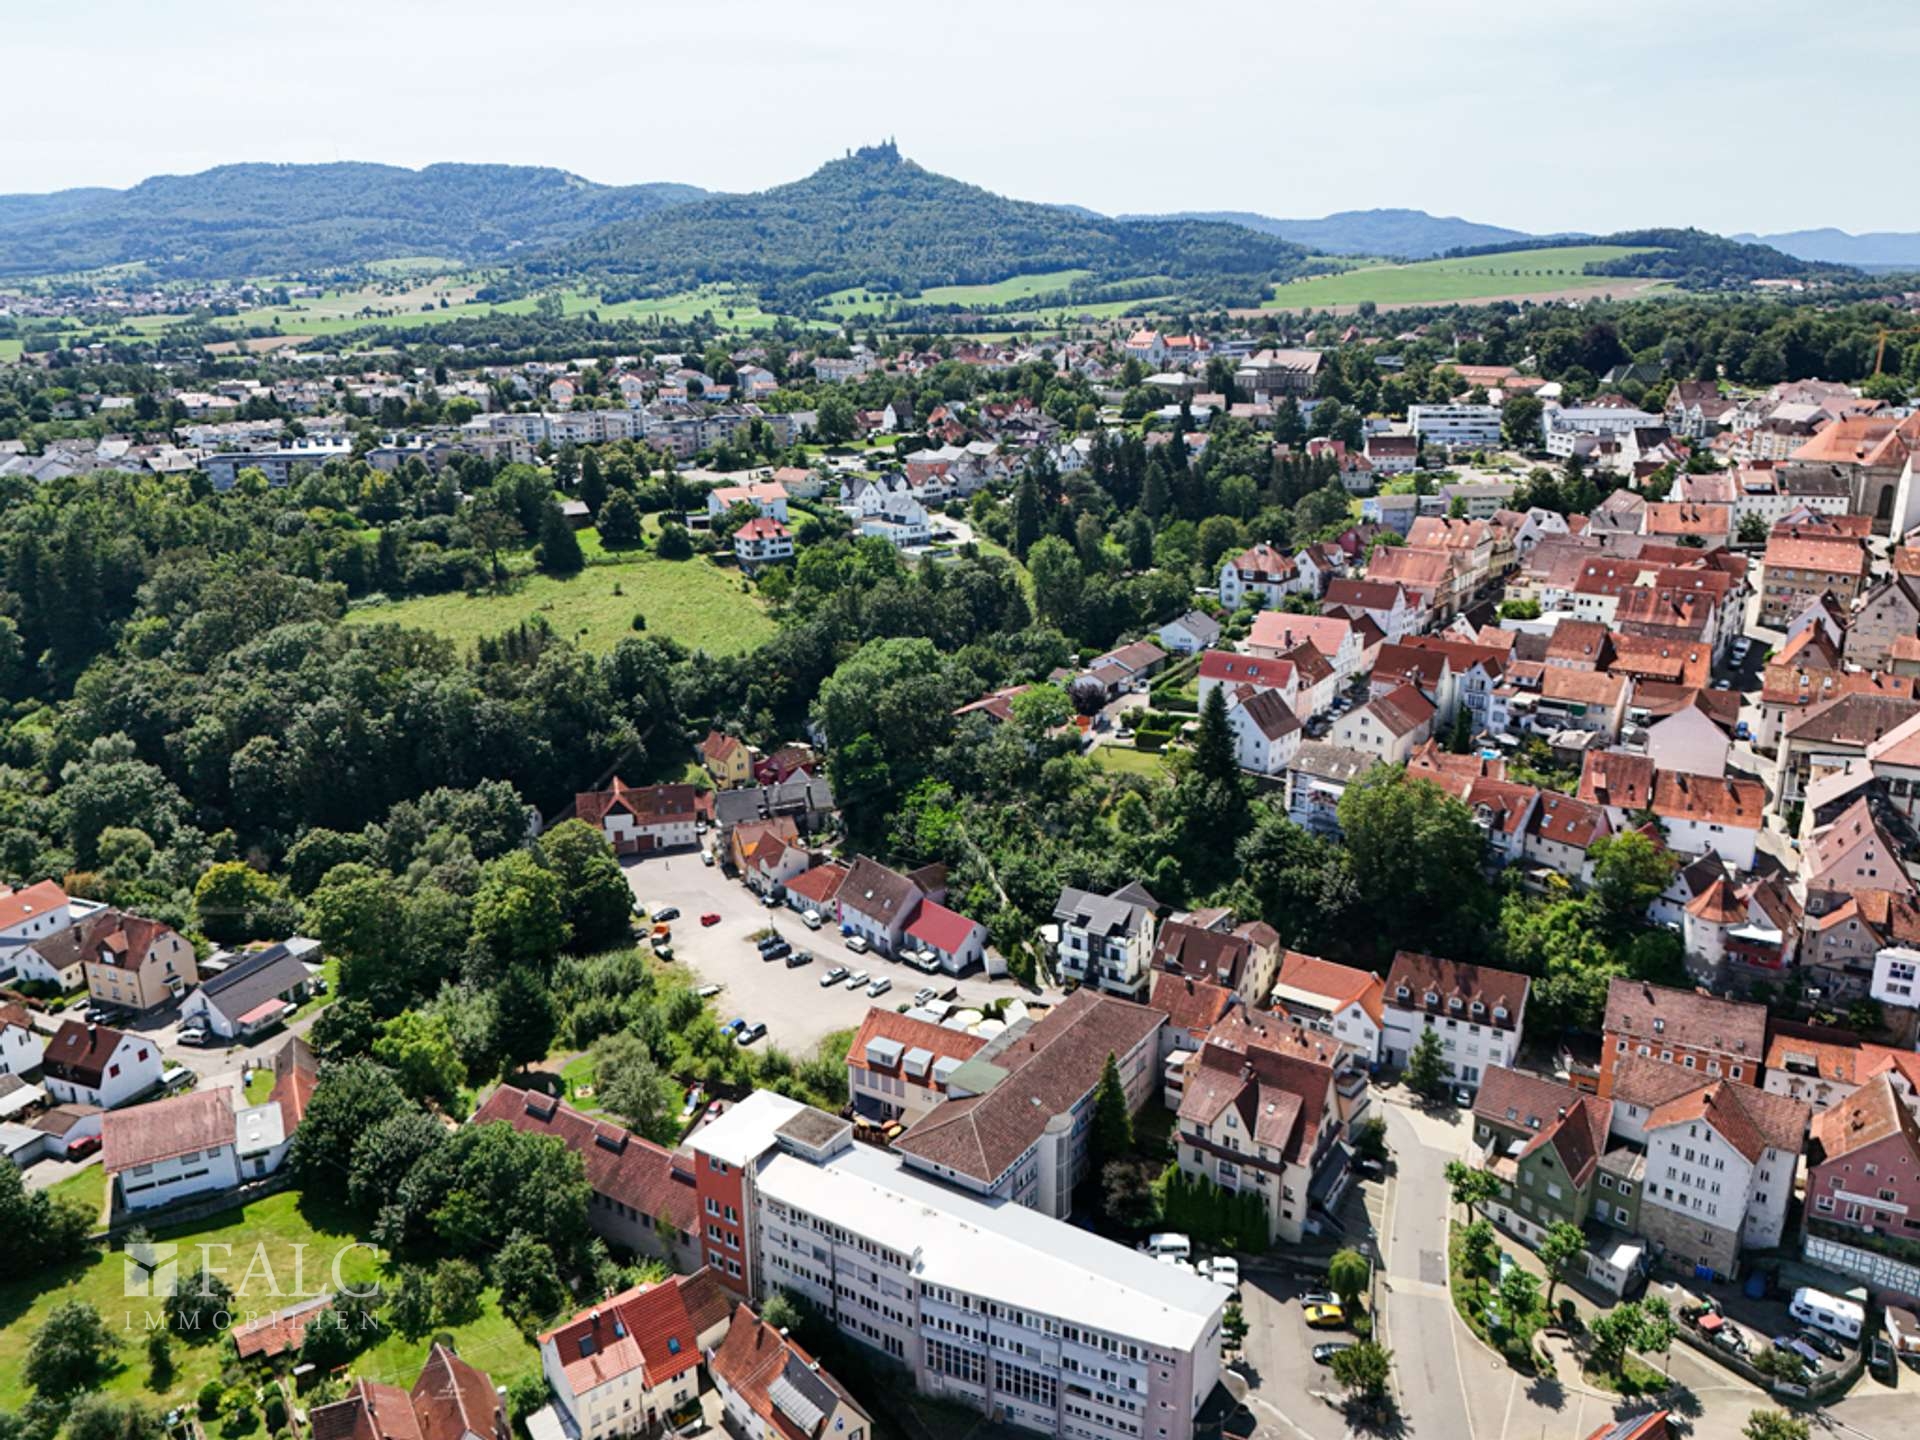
[559, 548]
[1213, 750]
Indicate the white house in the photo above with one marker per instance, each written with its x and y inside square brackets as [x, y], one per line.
[1106, 940]
[766, 496]
[251, 995]
[1478, 1012]
[172, 1149]
[627, 1364]
[1190, 634]
[1338, 1000]
[98, 1065]
[1466, 427]
[898, 1066]
[20, 1044]
[1261, 572]
[1266, 732]
[956, 943]
[876, 902]
[1387, 727]
[1896, 978]
[762, 541]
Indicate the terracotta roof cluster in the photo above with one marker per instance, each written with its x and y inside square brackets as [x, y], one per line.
[1689, 1019]
[1477, 992]
[1572, 1122]
[1748, 1118]
[1270, 1077]
[649, 805]
[620, 1165]
[777, 1380]
[449, 1401]
[1329, 984]
[1194, 1006]
[655, 1329]
[1049, 1067]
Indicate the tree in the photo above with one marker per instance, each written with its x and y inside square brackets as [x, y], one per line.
[351, 1099]
[1612, 1334]
[70, 1351]
[494, 530]
[419, 1048]
[599, 904]
[1427, 1067]
[629, 1083]
[106, 1417]
[1364, 1370]
[1563, 1243]
[1753, 531]
[674, 542]
[1629, 873]
[1370, 1140]
[457, 1287]
[619, 521]
[519, 913]
[159, 1361]
[834, 418]
[1479, 1249]
[525, 1018]
[200, 1308]
[1126, 1193]
[328, 1342]
[1470, 1186]
[529, 1281]
[1519, 1293]
[1775, 1425]
[558, 552]
[40, 1230]
[1058, 581]
[233, 902]
[1347, 1275]
[1416, 853]
[1112, 1137]
[1520, 422]
[1214, 757]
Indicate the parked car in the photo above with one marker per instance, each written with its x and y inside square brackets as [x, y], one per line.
[1222, 1270]
[1319, 1297]
[662, 931]
[1463, 1097]
[663, 950]
[1324, 1352]
[1825, 1344]
[1325, 1317]
[857, 979]
[194, 1035]
[879, 987]
[83, 1147]
[752, 1033]
[706, 857]
[922, 995]
[667, 912]
[1880, 1360]
[858, 944]
[1370, 1169]
[707, 992]
[770, 900]
[835, 974]
[733, 1026]
[797, 958]
[1168, 1243]
[780, 950]
[709, 919]
[1797, 1346]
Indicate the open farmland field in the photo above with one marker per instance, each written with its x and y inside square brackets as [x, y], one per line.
[1514, 274]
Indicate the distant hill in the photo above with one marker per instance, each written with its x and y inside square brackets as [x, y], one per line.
[876, 218]
[240, 220]
[1691, 259]
[1878, 249]
[1402, 234]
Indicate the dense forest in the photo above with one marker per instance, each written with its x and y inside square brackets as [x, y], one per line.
[242, 220]
[1693, 259]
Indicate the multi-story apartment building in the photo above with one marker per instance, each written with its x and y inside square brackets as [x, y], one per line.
[984, 1302]
[1456, 427]
[1799, 567]
[1478, 1012]
[1544, 1142]
[1337, 1000]
[1107, 940]
[1240, 958]
[1720, 1161]
[1691, 1031]
[1264, 573]
[1263, 1104]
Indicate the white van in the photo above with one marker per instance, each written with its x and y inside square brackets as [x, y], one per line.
[1168, 1245]
[811, 919]
[857, 944]
[1827, 1312]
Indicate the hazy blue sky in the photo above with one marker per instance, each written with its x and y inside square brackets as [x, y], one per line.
[1729, 114]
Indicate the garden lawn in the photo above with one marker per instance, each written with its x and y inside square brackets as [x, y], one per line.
[1123, 760]
[279, 1225]
[1471, 277]
[89, 1186]
[691, 601]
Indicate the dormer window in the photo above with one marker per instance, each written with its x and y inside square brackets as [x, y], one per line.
[1433, 997]
[1499, 1012]
[1479, 1008]
[1453, 1002]
[1401, 993]
[1659, 1025]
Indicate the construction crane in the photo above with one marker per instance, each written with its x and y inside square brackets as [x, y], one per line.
[1880, 350]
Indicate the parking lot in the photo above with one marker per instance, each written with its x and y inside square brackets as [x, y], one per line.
[796, 1009]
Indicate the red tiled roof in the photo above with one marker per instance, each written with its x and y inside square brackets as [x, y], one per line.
[19, 906]
[148, 1134]
[942, 929]
[620, 1165]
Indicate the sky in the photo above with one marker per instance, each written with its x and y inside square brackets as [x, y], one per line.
[1732, 115]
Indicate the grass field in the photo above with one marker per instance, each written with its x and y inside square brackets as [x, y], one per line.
[859, 301]
[692, 601]
[1148, 764]
[1517, 272]
[9, 351]
[278, 1225]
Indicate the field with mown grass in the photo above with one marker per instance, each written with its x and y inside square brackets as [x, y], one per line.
[695, 602]
[1543, 271]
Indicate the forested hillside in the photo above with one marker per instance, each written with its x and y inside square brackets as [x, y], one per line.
[240, 220]
[875, 218]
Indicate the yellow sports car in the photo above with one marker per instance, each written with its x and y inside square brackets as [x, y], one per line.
[1325, 1317]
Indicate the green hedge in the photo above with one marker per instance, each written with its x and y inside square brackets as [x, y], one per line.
[1220, 1219]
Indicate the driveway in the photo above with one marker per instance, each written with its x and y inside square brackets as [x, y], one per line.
[796, 1009]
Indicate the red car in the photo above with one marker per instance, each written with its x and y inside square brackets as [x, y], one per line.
[709, 919]
[83, 1147]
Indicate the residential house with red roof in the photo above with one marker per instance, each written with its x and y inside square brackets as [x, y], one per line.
[1245, 673]
[1800, 567]
[1263, 573]
[1698, 813]
[1863, 1177]
[761, 542]
[771, 1389]
[767, 854]
[1396, 611]
[1337, 639]
[1242, 958]
[1266, 732]
[203, 1142]
[1820, 1066]
[641, 819]
[1338, 1000]
[1192, 1007]
[1687, 1029]
[945, 939]
[451, 1400]
[816, 889]
[41, 937]
[1479, 1013]
[898, 1067]
[1561, 832]
[642, 1194]
[1259, 1111]
[1387, 727]
[1721, 1157]
[1830, 734]
[632, 1361]
[21, 1046]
